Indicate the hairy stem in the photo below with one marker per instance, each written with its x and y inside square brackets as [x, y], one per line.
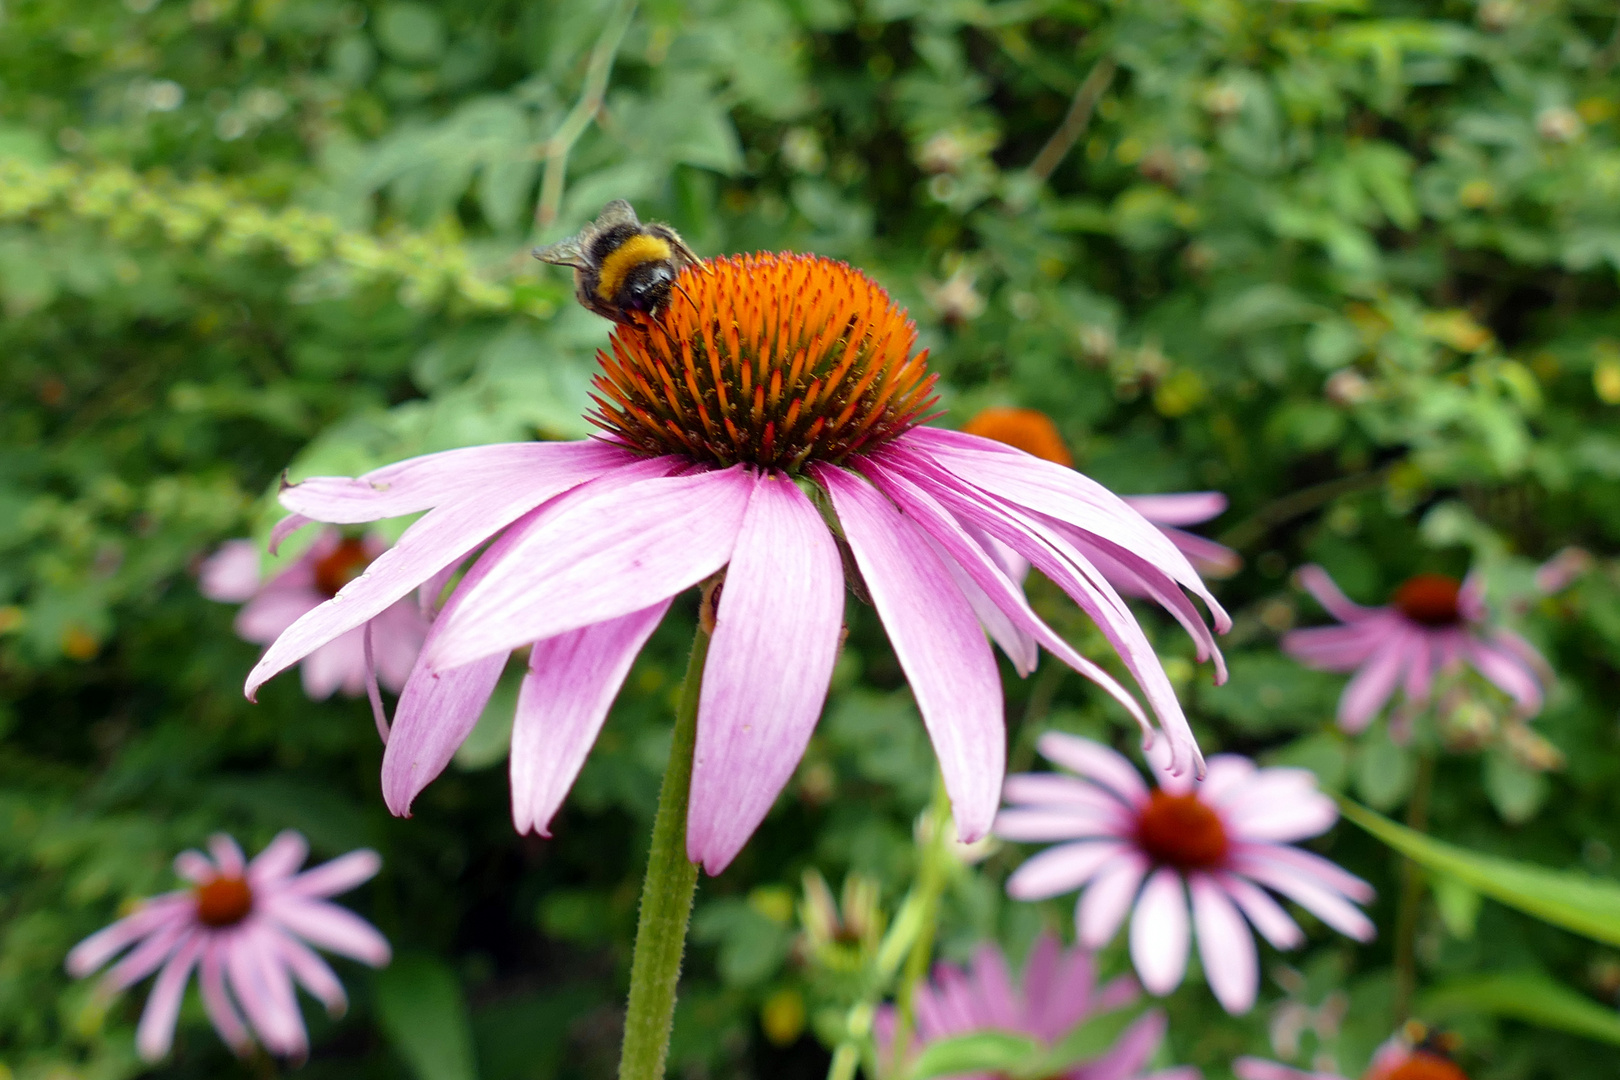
[1074, 122]
[666, 896]
[557, 148]
[1406, 912]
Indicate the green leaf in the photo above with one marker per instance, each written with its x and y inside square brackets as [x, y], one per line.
[982, 1051]
[1532, 998]
[1577, 902]
[420, 1004]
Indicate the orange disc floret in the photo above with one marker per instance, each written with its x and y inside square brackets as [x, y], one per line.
[774, 360]
[1027, 429]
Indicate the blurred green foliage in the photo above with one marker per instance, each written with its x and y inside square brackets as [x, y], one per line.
[1353, 262]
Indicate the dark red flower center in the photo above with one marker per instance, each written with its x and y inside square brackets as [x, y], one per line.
[1180, 831]
[341, 565]
[1430, 599]
[1421, 1065]
[223, 901]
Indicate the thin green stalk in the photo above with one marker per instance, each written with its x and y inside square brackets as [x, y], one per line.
[556, 149]
[1406, 910]
[930, 886]
[666, 896]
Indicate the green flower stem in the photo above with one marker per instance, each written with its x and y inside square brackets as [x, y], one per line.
[666, 896]
[1412, 887]
[931, 875]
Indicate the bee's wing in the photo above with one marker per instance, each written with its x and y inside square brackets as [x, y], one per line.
[570, 252]
[617, 212]
[687, 255]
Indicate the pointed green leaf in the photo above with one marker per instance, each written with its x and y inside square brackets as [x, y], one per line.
[981, 1051]
[1532, 998]
[421, 1007]
[1574, 901]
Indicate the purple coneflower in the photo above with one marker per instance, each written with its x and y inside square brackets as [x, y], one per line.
[1433, 624]
[1220, 840]
[232, 576]
[243, 926]
[1033, 432]
[752, 429]
[1059, 994]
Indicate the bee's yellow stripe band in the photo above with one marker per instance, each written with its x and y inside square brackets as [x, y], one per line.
[639, 249]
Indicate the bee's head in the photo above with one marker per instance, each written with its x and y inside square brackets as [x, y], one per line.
[647, 289]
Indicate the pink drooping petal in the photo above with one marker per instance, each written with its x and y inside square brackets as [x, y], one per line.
[1106, 902]
[421, 483]
[1226, 780]
[1209, 558]
[1328, 872]
[1314, 580]
[1526, 652]
[227, 855]
[171, 909]
[280, 858]
[1131, 1051]
[231, 574]
[1421, 667]
[1064, 494]
[566, 693]
[1020, 648]
[1268, 916]
[436, 713]
[1061, 869]
[1231, 962]
[1070, 569]
[1041, 825]
[155, 1033]
[332, 928]
[1310, 894]
[938, 643]
[312, 973]
[1070, 996]
[440, 539]
[264, 990]
[1160, 932]
[781, 610]
[1183, 508]
[397, 636]
[966, 556]
[193, 866]
[1508, 673]
[337, 876]
[1096, 762]
[1366, 693]
[1337, 648]
[146, 957]
[222, 1011]
[609, 549]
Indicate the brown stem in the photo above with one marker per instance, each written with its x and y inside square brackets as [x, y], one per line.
[1253, 528]
[1074, 121]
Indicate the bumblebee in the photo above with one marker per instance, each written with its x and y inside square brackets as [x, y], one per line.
[622, 266]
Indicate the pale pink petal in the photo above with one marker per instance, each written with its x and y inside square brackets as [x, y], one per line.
[1279, 805]
[988, 583]
[1210, 559]
[1131, 1051]
[337, 876]
[1528, 653]
[231, 574]
[1231, 963]
[1471, 598]
[260, 983]
[155, 1033]
[280, 858]
[339, 664]
[606, 550]
[227, 855]
[938, 643]
[421, 483]
[781, 611]
[1508, 673]
[172, 910]
[1041, 969]
[998, 1003]
[1160, 932]
[1420, 670]
[1104, 905]
[1252, 1068]
[397, 636]
[1366, 693]
[1097, 762]
[1314, 580]
[566, 693]
[1060, 791]
[330, 927]
[1069, 997]
[1028, 825]
[1227, 778]
[1020, 648]
[1329, 873]
[1184, 508]
[147, 956]
[1266, 914]
[1309, 894]
[1337, 648]
[442, 538]
[193, 866]
[268, 615]
[216, 999]
[312, 973]
[1061, 869]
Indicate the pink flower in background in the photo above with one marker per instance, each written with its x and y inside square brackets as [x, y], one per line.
[231, 575]
[1220, 840]
[1059, 993]
[243, 926]
[1169, 512]
[1433, 624]
[713, 442]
